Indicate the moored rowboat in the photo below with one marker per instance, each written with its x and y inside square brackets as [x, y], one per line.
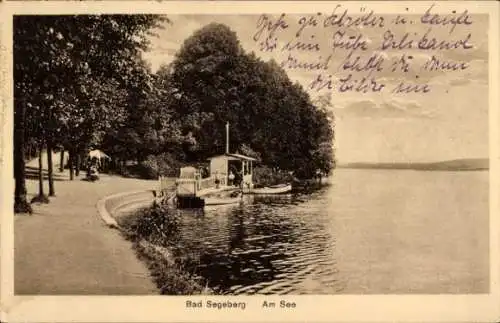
[276, 189]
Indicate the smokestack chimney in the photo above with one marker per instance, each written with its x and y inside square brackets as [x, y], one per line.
[227, 137]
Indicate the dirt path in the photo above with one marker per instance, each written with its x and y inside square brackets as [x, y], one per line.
[65, 248]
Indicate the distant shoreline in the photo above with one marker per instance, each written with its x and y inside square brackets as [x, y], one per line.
[472, 164]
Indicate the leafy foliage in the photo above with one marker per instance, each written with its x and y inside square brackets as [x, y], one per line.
[73, 76]
[165, 164]
[156, 224]
[216, 82]
[80, 82]
[265, 176]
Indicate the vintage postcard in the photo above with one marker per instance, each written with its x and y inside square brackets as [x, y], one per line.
[250, 161]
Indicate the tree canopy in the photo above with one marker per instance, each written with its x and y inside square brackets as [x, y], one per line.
[216, 81]
[74, 76]
[81, 82]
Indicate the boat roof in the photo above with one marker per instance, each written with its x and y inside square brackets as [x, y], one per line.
[234, 157]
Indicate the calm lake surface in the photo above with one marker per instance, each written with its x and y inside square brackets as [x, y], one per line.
[369, 231]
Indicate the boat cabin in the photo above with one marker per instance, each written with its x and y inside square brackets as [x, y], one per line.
[233, 169]
[226, 171]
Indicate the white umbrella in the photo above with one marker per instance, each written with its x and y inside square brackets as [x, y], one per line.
[98, 154]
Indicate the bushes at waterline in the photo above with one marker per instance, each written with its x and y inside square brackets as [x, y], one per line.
[156, 224]
[164, 164]
[153, 231]
[170, 275]
[265, 176]
[153, 166]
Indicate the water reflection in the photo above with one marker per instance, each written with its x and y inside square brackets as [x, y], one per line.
[267, 245]
[367, 232]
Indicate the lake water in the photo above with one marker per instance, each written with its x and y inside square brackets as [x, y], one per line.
[367, 232]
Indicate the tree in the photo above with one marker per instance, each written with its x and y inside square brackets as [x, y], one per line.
[325, 153]
[50, 168]
[204, 82]
[41, 197]
[21, 204]
[149, 127]
[36, 131]
[61, 161]
[269, 114]
[74, 70]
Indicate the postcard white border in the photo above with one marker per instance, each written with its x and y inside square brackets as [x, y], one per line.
[342, 308]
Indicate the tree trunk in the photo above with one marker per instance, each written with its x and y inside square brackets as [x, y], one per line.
[50, 169]
[27, 153]
[70, 165]
[41, 197]
[21, 204]
[77, 165]
[61, 164]
[40, 172]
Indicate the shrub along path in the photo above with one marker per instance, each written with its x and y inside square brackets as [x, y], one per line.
[65, 247]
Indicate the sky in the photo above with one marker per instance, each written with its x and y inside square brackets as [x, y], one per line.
[449, 122]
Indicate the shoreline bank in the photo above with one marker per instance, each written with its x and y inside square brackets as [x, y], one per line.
[125, 212]
[168, 271]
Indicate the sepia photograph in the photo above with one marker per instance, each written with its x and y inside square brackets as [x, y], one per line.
[338, 151]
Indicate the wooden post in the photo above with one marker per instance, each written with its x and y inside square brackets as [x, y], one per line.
[251, 174]
[227, 137]
[242, 179]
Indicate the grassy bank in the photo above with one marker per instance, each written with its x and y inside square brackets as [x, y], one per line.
[153, 232]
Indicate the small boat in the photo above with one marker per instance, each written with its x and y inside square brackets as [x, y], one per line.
[221, 200]
[275, 189]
